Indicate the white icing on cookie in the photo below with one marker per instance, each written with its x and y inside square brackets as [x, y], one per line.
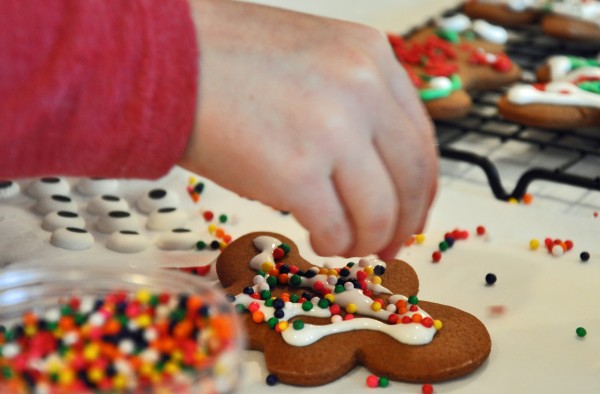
[410, 333]
[555, 93]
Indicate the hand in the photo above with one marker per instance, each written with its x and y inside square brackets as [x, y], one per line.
[316, 117]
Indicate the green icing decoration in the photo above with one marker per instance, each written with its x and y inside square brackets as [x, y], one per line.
[433, 94]
[590, 86]
[448, 35]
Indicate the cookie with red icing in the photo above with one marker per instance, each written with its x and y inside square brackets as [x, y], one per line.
[577, 20]
[453, 58]
[315, 324]
[566, 96]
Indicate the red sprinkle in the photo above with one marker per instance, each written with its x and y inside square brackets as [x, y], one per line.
[427, 389]
[436, 256]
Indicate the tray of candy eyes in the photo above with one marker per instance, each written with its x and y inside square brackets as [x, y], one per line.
[572, 153]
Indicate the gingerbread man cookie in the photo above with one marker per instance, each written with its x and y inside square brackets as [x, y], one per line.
[577, 20]
[455, 57]
[316, 324]
[567, 95]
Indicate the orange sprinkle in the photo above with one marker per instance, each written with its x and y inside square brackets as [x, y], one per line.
[66, 323]
[223, 327]
[112, 327]
[527, 198]
[401, 304]
[29, 319]
[283, 279]
[220, 233]
[417, 317]
[194, 302]
[274, 272]
[183, 329]
[258, 317]
[227, 238]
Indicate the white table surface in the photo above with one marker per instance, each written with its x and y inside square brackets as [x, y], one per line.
[534, 345]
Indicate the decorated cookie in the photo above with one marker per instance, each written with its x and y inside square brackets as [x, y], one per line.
[577, 20]
[566, 96]
[316, 324]
[505, 12]
[458, 56]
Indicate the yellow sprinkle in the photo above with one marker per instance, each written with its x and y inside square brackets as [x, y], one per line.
[144, 320]
[376, 306]
[66, 377]
[222, 244]
[513, 200]
[368, 270]
[91, 352]
[351, 308]
[192, 181]
[333, 272]
[437, 324]
[266, 266]
[30, 331]
[176, 355]
[171, 368]
[330, 297]
[323, 271]
[534, 244]
[143, 296]
[420, 238]
[119, 381]
[95, 374]
[283, 325]
[212, 228]
[146, 369]
[376, 280]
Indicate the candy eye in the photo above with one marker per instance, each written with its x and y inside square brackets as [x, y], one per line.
[117, 221]
[48, 186]
[72, 238]
[156, 199]
[55, 202]
[8, 189]
[125, 241]
[58, 219]
[177, 239]
[164, 219]
[96, 186]
[101, 205]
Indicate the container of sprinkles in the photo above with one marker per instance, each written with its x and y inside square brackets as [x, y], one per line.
[115, 330]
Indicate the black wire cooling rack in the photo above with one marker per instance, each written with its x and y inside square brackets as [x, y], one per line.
[529, 48]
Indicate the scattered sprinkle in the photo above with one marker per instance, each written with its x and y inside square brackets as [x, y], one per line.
[581, 332]
[584, 256]
[490, 279]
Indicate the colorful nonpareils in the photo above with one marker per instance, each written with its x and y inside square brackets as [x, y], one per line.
[120, 342]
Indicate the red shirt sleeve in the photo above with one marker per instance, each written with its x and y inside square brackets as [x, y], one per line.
[97, 87]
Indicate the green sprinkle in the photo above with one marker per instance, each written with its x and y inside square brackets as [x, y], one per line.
[294, 298]
[413, 300]
[339, 289]
[350, 264]
[272, 322]
[323, 303]
[154, 301]
[178, 314]
[295, 280]
[443, 246]
[307, 306]
[581, 332]
[272, 281]
[269, 302]
[200, 245]
[298, 324]
[7, 373]
[223, 218]
[261, 273]
[265, 294]
[384, 382]
[286, 248]
[66, 311]
[240, 308]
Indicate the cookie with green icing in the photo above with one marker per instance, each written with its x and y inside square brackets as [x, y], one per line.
[453, 58]
[566, 96]
[315, 324]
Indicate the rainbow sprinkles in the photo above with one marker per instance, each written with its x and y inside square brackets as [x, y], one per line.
[353, 289]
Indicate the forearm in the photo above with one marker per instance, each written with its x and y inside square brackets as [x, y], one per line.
[102, 88]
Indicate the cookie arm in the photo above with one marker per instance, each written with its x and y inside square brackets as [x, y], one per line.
[96, 87]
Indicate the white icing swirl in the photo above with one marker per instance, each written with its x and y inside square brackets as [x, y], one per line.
[411, 333]
[555, 93]
[460, 23]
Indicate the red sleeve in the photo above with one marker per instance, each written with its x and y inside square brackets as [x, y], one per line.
[96, 87]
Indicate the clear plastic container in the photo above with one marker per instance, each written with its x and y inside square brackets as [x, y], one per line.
[115, 329]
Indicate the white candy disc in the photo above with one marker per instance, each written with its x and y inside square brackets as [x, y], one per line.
[164, 219]
[47, 187]
[55, 202]
[158, 198]
[178, 239]
[72, 238]
[489, 32]
[106, 203]
[95, 186]
[58, 219]
[126, 242]
[457, 23]
[8, 189]
[117, 221]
